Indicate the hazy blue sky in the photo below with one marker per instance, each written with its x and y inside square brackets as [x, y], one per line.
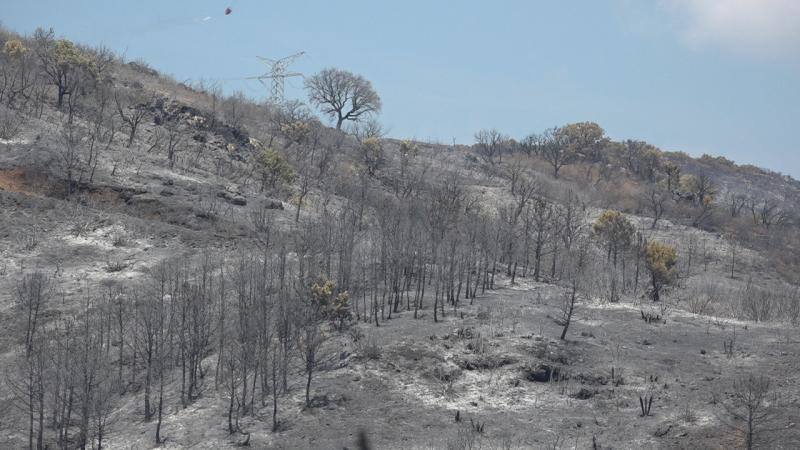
[714, 76]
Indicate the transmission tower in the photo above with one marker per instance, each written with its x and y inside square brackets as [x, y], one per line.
[277, 74]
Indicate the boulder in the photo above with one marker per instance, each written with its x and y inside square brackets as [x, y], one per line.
[543, 374]
[233, 199]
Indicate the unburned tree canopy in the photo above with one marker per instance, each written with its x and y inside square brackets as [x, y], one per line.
[14, 48]
[335, 306]
[642, 159]
[673, 172]
[660, 260]
[584, 139]
[408, 150]
[63, 62]
[275, 168]
[343, 95]
[701, 186]
[296, 131]
[372, 156]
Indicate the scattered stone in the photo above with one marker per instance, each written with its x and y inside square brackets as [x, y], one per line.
[126, 194]
[319, 401]
[465, 333]
[583, 394]
[662, 430]
[233, 199]
[483, 362]
[273, 204]
[544, 374]
[592, 380]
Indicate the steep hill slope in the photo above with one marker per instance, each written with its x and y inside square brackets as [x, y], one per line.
[185, 269]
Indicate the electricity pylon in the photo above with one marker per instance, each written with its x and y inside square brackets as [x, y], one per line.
[277, 73]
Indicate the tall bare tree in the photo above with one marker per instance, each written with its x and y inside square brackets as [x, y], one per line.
[343, 95]
[577, 261]
[132, 107]
[32, 293]
[73, 141]
[489, 145]
[751, 409]
[17, 74]
[655, 201]
[553, 148]
[66, 65]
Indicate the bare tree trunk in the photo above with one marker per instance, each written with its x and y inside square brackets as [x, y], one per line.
[160, 406]
[309, 373]
[568, 315]
[147, 410]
